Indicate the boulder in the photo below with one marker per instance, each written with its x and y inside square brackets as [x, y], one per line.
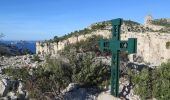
[3, 84]
[76, 92]
[12, 96]
[12, 89]
[71, 87]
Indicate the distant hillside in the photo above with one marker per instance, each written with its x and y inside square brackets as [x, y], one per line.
[128, 25]
[152, 34]
[105, 25]
[161, 22]
[9, 49]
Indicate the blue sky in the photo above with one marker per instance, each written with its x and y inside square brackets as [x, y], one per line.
[44, 19]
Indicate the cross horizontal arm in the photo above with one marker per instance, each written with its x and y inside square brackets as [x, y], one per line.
[104, 44]
[130, 45]
[115, 45]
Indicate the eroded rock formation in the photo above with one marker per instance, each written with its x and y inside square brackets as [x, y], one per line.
[151, 46]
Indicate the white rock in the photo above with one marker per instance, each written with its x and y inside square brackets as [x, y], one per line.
[34, 65]
[126, 89]
[71, 87]
[12, 95]
[3, 83]
[120, 88]
[3, 98]
[0, 71]
[20, 87]
[106, 96]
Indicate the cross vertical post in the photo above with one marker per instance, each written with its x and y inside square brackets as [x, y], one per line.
[115, 45]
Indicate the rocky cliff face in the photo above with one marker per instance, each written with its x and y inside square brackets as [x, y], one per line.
[151, 46]
[52, 48]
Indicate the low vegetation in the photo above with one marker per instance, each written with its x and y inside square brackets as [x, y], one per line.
[36, 58]
[50, 79]
[153, 83]
[168, 45]
[130, 23]
[4, 51]
[81, 67]
[90, 44]
[161, 22]
[97, 26]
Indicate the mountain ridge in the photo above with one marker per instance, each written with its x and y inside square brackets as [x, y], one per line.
[149, 37]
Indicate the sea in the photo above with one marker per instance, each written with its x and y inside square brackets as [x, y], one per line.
[31, 45]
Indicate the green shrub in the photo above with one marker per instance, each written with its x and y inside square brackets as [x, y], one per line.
[36, 58]
[55, 75]
[48, 80]
[87, 72]
[168, 44]
[162, 22]
[17, 73]
[84, 45]
[4, 51]
[153, 83]
[130, 23]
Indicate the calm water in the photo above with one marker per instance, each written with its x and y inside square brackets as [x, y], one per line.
[31, 45]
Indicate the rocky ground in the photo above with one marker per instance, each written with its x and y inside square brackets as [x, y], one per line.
[20, 61]
[72, 92]
[13, 88]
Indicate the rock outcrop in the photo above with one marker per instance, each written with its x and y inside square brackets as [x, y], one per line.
[76, 92]
[151, 47]
[148, 23]
[53, 48]
[19, 62]
[12, 90]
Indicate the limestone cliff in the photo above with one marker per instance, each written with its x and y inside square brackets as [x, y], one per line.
[151, 46]
[152, 43]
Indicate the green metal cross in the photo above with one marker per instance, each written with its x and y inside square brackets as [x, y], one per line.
[115, 45]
